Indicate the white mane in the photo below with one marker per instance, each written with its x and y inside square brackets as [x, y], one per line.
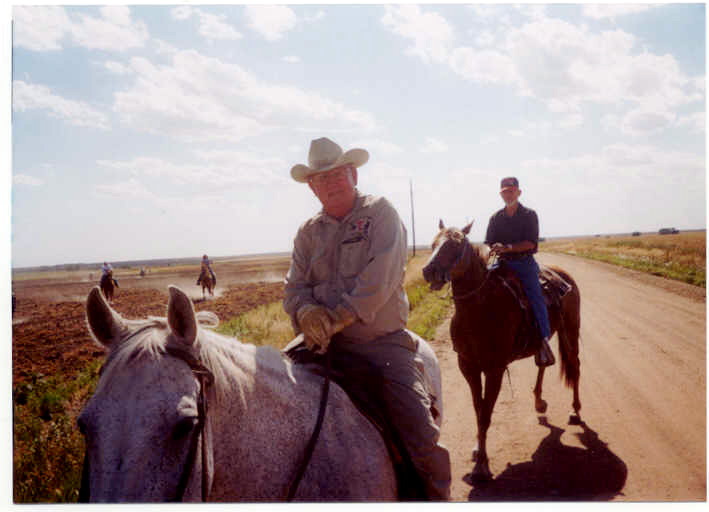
[232, 363]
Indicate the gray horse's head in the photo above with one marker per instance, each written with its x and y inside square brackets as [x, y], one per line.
[139, 423]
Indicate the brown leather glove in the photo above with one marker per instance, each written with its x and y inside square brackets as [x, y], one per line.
[340, 317]
[315, 323]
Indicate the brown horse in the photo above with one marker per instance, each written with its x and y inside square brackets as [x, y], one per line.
[107, 285]
[489, 329]
[208, 282]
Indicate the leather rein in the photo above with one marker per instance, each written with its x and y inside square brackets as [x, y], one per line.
[205, 378]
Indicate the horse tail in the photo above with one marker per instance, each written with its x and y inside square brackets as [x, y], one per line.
[569, 333]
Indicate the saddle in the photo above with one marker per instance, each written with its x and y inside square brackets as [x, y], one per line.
[554, 288]
[361, 384]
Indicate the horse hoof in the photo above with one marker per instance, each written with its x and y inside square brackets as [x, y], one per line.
[541, 406]
[574, 419]
[481, 474]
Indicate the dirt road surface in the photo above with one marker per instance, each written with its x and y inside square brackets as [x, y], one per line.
[643, 395]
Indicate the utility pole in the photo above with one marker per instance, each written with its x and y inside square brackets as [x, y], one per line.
[413, 229]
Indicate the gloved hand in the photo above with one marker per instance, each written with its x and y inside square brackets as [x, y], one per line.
[340, 317]
[315, 323]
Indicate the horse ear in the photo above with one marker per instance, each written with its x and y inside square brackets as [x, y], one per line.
[466, 229]
[181, 316]
[105, 324]
[441, 226]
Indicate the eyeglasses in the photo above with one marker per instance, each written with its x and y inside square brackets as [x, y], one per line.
[327, 176]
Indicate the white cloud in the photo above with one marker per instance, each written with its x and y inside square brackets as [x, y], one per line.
[563, 65]
[114, 30]
[270, 21]
[433, 145]
[378, 147]
[163, 48]
[126, 190]
[202, 98]
[213, 168]
[603, 11]
[24, 179]
[645, 122]
[320, 15]
[211, 26]
[291, 59]
[429, 32]
[486, 66]
[39, 97]
[696, 121]
[116, 67]
[182, 12]
[40, 28]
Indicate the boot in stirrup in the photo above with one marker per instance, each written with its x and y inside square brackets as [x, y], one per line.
[545, 357]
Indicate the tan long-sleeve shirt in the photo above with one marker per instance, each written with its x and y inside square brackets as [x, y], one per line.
[359, 261]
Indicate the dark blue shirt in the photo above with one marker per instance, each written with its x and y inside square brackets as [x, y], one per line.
[520, 227]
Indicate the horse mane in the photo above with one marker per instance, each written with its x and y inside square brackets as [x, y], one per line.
[230, 361]
[480, 251]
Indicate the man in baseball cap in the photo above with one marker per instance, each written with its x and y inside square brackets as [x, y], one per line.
[513, 234]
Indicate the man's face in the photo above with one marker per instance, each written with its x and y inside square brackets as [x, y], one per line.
[335, 188]
[510, 195]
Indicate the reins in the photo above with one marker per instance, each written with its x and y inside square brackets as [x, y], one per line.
[293, 487]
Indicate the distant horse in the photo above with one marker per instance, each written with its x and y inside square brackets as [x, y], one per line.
[208, 282]
[489, 331]
[183, 413]
[108, 285]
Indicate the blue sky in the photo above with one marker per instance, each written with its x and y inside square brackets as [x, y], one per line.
[169, 131]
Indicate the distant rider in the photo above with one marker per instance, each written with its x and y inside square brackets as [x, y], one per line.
[107, 273]
[206, 266]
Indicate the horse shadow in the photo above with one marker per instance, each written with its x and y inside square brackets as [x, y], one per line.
[558, 472]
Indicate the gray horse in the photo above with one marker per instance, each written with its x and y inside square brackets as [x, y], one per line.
[183, 413]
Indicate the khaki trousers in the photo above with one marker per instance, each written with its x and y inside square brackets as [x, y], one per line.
[399, 368]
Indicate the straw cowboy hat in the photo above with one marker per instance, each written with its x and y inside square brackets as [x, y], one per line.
[326, 155]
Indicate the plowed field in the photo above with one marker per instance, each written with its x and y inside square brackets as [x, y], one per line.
[49, 332]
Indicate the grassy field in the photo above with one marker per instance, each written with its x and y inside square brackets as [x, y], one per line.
[680, 256]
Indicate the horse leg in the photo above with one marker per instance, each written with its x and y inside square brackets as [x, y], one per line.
[493, 382]
[540, 405]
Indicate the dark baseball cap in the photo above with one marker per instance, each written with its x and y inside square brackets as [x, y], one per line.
[508, 182]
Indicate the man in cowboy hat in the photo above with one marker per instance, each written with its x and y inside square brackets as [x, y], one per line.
[344, 292]
[513, 234]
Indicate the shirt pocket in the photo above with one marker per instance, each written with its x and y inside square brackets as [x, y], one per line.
[353, 258]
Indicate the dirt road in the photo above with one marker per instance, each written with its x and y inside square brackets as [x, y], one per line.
[643, 391]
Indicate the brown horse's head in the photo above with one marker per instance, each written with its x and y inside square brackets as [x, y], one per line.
[448, 260]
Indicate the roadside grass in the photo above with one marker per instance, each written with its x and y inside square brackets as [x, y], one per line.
[48, 448]
[681, 257]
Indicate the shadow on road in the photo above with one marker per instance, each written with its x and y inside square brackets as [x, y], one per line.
[558, 472]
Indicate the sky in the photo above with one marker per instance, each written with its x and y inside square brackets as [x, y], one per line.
[167, 131]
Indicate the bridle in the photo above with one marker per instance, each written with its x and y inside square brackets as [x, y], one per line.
[458, 261]
[205, 378]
